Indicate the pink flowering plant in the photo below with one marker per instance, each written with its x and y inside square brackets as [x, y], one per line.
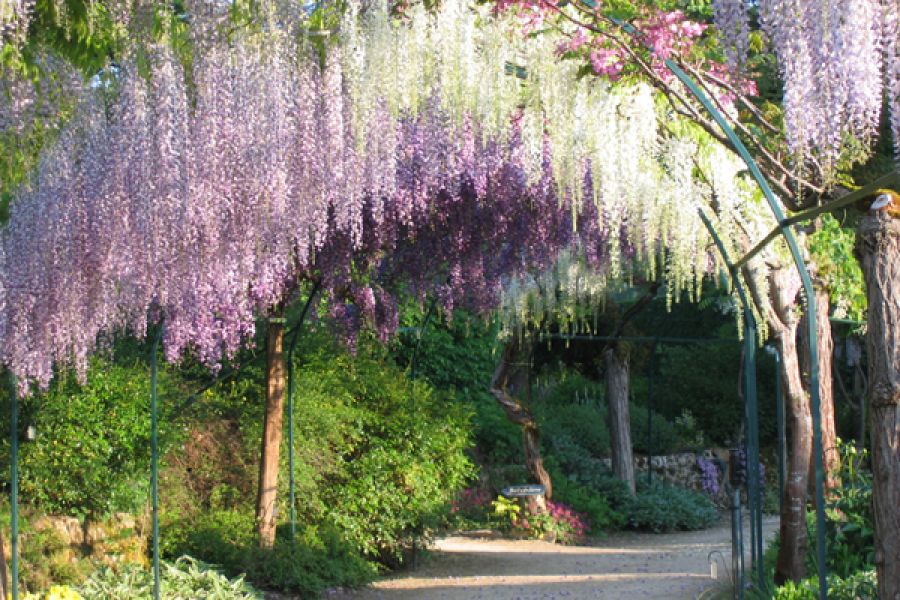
[568, 526]
[470, 509]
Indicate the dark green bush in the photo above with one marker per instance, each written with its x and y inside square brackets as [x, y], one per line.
[665, 438]
[584, 424]
[659, 507]
[317, 559]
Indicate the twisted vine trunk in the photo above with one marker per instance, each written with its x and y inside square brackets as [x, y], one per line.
[271, 438]
[617, 371]
[878, 252]
[511, 380]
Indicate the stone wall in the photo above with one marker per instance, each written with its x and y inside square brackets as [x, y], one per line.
[680, 470]
[118, 539]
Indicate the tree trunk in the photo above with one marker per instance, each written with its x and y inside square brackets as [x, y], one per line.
[510, 380]
[779, 307]
[826, 388]
[617, 371]
[271, 439]
[791, 560]
[878, 251]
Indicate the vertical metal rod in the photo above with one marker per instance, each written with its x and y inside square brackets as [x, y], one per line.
[14, 483]
[154, 459]
[812, 332]
[754, 488]
[290, 406]
[415, 357]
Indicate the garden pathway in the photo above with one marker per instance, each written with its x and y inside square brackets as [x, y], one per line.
[629, 565]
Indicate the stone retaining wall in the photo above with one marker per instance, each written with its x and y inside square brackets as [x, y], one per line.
[680, 470]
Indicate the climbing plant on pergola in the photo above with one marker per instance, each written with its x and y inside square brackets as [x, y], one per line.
[363, 157]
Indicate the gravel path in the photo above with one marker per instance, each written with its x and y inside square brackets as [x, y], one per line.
[476, 567]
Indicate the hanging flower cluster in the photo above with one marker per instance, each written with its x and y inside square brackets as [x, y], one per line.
[398, 157]
[838, 60]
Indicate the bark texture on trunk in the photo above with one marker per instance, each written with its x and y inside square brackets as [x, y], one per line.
[780, 311]
[617, 371]
[271, 439]
[826, 388]
[878, 251]
[511, 380]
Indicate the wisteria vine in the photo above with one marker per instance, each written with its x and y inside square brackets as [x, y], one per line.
[210, 194]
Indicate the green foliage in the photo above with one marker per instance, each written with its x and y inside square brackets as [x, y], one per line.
[660, 507]
[849, 525]
[185, 578]
[317, 559]
[584, 424]
[457, 357]
[92, 451]
[665, 438]
[401, 448]
[583, 499]
[703, 379]
[832, 250]
[859, 585]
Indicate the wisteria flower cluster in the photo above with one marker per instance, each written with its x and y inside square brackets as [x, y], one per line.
[838, 60]
[709, 476]
[399, 159]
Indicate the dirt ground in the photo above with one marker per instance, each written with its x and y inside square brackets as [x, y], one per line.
[479, 566]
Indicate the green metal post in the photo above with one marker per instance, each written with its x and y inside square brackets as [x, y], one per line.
[811, 312]
[14, 494]
[154, 458]
[750, 404]
[415, 357]
[754, 504]
[290, 407]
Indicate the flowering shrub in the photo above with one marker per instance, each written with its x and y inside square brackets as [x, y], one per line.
[57, 592]
[568, 526]
[470, 508]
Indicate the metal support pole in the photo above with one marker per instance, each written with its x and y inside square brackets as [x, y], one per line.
[791, 241]
[290, 406]
[737, 525]
[154, 459]
[750, 404]
[14, 484]
[415, 357]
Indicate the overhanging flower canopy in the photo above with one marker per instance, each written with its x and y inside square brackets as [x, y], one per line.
[396, 153]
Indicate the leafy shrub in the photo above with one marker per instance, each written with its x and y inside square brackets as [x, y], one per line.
[317, 559]
[660, 507]
[584, 424]
[665, 438]
[573, 389]
[92, 451]
[584, 500]
[470, 509]
[858, 585]
[849, 523]
[185, 578]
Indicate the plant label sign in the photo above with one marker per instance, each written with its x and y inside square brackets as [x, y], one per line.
[517, 491]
